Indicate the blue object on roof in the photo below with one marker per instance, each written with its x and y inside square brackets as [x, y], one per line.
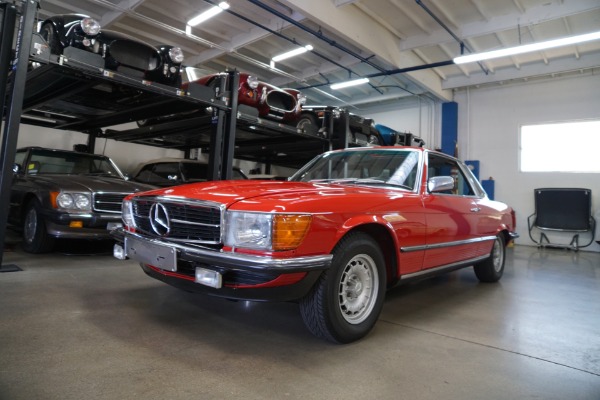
[387, 134]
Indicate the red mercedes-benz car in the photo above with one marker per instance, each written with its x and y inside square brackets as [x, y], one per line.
[346, 227]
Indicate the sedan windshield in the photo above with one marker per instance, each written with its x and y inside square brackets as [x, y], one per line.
[44, 162]
[366, 167]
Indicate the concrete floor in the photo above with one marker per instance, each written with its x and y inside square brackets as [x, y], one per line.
[92, 327]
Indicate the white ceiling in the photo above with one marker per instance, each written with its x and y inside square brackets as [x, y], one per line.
[354, 38]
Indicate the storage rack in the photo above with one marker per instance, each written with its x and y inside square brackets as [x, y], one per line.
[73, 92]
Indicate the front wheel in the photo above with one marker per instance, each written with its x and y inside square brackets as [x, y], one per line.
[35, 237]
[347, 299]
[49, 34]
[492, 268]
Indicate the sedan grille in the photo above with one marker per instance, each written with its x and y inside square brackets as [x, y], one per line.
[108, 202]
[188, 221]
[135, 55]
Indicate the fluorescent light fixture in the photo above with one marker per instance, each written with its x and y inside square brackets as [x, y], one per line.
[292, 53]
[214, 10]
[511, 51]
[346, 84]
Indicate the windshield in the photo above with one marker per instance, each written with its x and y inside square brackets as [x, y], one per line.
[370, 167]
[44, 162]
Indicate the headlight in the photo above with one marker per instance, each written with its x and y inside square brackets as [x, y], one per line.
[252, 82]
[82, 202]
[90, 26]
[176, 54]
[127, 214]
[74, 201]
[265, 231]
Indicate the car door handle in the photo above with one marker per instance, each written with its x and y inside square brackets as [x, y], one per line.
[475, 209]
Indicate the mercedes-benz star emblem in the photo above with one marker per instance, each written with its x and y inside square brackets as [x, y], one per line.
[159, 219]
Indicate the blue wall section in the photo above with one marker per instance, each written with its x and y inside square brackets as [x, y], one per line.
[449, 127]
[474, 167]
[488, 186]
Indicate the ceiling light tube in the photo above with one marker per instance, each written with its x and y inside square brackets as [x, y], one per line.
[527, 48]
[346, 84]
[292, 53]
[208, 14]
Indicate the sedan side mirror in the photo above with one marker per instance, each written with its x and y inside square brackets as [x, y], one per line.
[440, 184]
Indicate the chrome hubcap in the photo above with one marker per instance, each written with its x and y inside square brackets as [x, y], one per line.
[358, 289]
[497, 255]
[30, 226]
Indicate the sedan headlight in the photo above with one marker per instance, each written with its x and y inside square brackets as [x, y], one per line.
[176, 55]
[265, 231]
[74, 201]
[90, 26]
[252, 82]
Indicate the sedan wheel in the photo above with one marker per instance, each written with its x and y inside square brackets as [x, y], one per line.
[358, 289]
[347, 299]
[35, 237]
[492, 268]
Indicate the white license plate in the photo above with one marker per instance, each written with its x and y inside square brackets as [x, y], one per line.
[162, 257]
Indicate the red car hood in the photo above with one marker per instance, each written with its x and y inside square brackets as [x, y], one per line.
[282, 195]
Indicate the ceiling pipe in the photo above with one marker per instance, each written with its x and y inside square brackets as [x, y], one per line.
[291, 40]
[382, 71]
[463, 45]
[316, 33]
[394, 72]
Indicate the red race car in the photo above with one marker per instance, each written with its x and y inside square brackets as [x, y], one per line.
[273, 103]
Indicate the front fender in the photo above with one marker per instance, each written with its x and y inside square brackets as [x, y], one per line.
[364, 222]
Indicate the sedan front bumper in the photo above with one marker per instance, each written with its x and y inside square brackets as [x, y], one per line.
[244, 276]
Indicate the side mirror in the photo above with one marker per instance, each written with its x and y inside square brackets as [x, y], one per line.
[16, 168]
[440, 184]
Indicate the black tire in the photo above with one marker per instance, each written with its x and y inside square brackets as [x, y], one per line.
[492, 268]
[35, 237]
[49, 34]
[346, 301]
[309, 123]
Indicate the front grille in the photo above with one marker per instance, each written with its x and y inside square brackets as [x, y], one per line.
[108, 202]
[135, 55]
[189, 221]
[281, 101]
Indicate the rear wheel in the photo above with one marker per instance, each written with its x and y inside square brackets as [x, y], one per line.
[347, 300]
[492, 268]
[35, 236]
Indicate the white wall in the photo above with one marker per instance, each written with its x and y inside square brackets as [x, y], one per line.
[489, 125]
[415, 115]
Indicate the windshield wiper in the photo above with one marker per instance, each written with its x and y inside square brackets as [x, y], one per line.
[99, 174]
[365, 181]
